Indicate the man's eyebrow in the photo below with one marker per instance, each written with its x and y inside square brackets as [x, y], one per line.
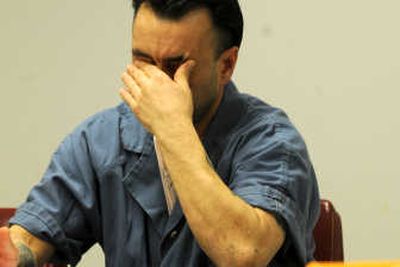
[174, 59]
[138, 53]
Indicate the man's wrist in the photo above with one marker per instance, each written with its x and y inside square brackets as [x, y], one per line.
[175, 130]
[177, 145]
[26, 257]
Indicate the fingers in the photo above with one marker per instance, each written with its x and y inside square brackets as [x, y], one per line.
[128, 98]
[183, 73]
[152, 71]
[132, 93]
[131, 85]
[139, 76]
[145, 67]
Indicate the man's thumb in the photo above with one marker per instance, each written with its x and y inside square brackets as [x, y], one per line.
[182, 75]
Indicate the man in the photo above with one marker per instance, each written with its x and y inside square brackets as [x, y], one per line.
[187, 172]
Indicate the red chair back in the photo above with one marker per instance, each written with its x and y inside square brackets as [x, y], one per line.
[328, 234]
[5, 215]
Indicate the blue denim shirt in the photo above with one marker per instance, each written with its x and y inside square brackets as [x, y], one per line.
[103, 185]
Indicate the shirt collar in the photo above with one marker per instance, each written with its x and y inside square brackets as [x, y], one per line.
[133, 134]
[229, 113]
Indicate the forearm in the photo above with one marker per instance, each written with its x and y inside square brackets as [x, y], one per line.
[32, 250]
[229, 230]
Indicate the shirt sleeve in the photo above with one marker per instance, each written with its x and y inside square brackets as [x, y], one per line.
[272, 171]
[61, 209]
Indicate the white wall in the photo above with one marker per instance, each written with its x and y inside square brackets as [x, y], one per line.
[334, 66]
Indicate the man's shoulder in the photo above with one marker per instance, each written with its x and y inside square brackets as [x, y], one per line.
[107, 119]
[257, 113]
[114, 127]
[260, 123]
[109, 115]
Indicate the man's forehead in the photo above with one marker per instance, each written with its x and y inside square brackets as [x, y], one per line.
[170, 37]
[161, 46]
[197, 20]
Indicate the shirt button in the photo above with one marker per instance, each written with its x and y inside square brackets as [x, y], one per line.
[173, 234]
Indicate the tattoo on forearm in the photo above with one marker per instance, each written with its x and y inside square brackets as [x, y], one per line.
[26, 258]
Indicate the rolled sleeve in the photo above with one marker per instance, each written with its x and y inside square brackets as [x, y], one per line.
[38, 221]
[61, 208]
[272, 171]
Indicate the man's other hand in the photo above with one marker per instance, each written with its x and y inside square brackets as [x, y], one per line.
[8, 252]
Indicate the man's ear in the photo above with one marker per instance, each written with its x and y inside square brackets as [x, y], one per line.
[226, 64]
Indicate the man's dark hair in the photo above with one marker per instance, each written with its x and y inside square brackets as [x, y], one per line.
[226, 16]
